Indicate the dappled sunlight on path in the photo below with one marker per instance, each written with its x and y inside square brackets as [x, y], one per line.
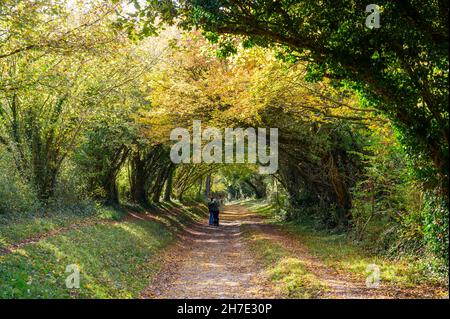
[212, 262]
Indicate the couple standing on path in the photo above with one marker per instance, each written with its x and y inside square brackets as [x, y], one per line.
[214, 206]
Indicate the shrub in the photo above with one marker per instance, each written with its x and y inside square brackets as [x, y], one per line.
[16, 196]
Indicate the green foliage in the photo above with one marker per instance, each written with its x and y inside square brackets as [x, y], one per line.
[436, 226]
[388, 202]
[51, 89]
[103, 152]
[400, 69]
[17, 197]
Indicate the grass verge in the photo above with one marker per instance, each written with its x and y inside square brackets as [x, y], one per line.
[342, 254]
[14, 230]
[115, 259]
[285, 270]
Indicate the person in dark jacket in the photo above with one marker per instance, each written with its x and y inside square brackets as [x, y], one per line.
[211, 210]
[216, 212]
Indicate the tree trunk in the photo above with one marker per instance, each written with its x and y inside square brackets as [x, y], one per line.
[138, 180]
[159, 184]
[168, 190]
[112, 197]
[200, 187]
[208, 186]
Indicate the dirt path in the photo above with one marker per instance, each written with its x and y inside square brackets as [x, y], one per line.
[210, 262]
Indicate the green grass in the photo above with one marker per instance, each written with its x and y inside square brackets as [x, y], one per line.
[339, 252]
[286, 271]
[19, 229]
[116, 259]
